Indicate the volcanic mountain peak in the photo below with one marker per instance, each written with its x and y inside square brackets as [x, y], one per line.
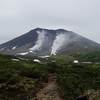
[49, 42]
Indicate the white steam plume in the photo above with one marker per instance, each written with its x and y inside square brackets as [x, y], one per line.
[39, 42]
[58, 43]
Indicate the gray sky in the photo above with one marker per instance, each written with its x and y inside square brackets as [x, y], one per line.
[20, 16]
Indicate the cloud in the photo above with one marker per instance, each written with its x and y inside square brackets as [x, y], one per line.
[19, 16]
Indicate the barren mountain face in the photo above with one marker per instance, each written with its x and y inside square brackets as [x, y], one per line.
[48, 42]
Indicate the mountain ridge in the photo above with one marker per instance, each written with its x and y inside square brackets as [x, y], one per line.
[40, 41]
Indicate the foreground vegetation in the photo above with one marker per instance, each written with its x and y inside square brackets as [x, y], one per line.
[79, 80]
[19, 78]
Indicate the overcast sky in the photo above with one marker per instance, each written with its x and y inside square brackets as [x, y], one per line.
[20, 16]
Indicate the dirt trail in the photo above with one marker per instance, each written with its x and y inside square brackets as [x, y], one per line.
[50, 90]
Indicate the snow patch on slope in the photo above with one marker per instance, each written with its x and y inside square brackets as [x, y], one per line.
[23, 53]
[46, 56]
[14, 47]
[36, 60]
[39, 42]
[2, 49]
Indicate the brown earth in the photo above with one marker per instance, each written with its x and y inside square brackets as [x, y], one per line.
[50, 90]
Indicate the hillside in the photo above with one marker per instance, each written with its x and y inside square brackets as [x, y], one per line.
[89, 57]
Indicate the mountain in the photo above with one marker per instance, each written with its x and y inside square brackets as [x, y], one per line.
[49, 42]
